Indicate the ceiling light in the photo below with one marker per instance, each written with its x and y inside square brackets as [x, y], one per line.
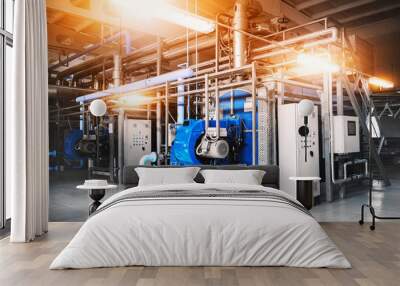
[159, 9]
[380, 82]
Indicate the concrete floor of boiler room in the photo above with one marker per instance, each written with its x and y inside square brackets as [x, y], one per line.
[69, 204]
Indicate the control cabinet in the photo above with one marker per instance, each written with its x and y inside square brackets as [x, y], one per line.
[298, 156]
[346, 134]
[137, 140]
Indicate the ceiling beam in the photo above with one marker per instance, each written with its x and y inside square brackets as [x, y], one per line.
[308, 4]
[374, 29]
[369, 13]
[96, 13]
[297, 17]
[341, 8]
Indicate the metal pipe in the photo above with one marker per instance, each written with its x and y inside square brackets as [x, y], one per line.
[117, 70]
[134, 86]
[240, 22]
[85, 52]
[166, 120]
[180, 104]
[206, 111]
[217, 110]
[253, 112]
[121, 120]
[112, 147]
[327, 127]
[158, 103]
[357, 161]
[295, 40]
[339, 97]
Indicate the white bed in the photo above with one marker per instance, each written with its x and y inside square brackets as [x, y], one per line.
[202, 231]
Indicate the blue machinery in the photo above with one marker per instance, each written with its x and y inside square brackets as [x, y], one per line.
[235, 143]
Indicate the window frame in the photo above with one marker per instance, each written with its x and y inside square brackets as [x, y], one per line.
[6, 39]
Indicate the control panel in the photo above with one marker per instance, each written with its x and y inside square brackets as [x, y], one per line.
[346, 134]
[137, 140]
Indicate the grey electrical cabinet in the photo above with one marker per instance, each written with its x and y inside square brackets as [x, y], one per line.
[137, 140]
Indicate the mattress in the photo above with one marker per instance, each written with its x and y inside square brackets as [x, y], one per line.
[201, 225]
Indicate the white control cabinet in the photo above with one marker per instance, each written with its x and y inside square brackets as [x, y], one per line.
[137, 140]
[346, 134]
[292, 150]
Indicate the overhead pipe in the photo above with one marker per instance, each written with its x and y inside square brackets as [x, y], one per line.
[138, 85]
[86, 51]
[333, 31]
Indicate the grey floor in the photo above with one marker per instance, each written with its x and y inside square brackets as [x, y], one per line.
[69, 204]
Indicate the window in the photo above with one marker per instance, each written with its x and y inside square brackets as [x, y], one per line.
[6, 43]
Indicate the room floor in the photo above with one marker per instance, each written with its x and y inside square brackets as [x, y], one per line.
[375, 259]
[69, 204]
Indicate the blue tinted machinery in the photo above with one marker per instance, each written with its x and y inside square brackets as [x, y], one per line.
[78, 147]
[192, 146]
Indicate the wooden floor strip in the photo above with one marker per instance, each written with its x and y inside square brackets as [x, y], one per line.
[375, 257]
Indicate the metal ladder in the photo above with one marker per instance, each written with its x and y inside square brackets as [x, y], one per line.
[360, 86]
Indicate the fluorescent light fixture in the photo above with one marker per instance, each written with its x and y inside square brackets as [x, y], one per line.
[160, 9]
[376, 81]
[316, 63]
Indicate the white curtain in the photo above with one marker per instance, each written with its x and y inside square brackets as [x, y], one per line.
[27, 123]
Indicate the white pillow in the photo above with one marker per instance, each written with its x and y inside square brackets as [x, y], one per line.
[247, 177]
[166, 176]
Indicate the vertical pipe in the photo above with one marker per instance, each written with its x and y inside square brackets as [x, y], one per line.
[339, 96]
[326, 96]
[232, 102]
[121, 119]
[180, 103]
[340, 111]
[82, 117]
[217, 109]
[117, 70]
[240, 22]
[166, 120]
[206, 95]
[112, 147]
[158, 104]
[148, 109]
[121, 116]
[253, 112]
[217, 116]
[280, 89]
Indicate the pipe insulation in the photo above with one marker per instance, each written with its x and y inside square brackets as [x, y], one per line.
[181, 103]
[137, 85]
[240, 22]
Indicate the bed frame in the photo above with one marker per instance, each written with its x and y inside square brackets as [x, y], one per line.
[271, 178]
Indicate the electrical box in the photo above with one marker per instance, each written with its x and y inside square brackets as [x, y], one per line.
[137, 140]
[346, 134]
[298, 157]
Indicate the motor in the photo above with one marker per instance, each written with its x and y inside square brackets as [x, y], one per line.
[208, 148]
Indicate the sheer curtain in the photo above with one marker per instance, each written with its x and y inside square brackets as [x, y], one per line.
[27, 123]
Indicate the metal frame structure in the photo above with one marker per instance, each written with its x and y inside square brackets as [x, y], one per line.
[263, 66]
[6, 39]
[369, 205]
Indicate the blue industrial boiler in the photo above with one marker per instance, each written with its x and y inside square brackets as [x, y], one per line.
[192, 146]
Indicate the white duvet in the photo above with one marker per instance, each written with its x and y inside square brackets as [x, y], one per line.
[192, 231]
